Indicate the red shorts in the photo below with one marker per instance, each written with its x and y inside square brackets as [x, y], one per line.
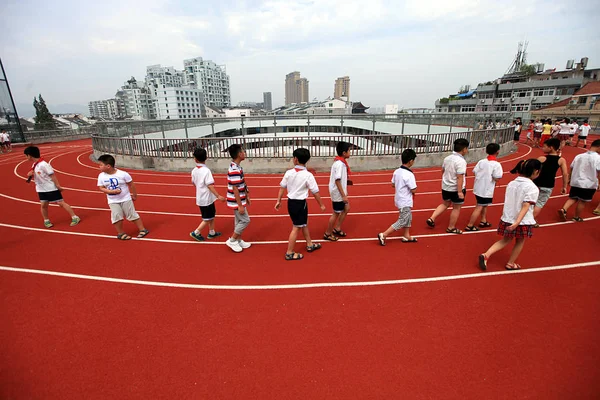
[522, 231]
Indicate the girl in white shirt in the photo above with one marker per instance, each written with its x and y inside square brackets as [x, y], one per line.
[517, 216]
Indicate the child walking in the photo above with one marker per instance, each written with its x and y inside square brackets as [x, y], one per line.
[206, 194]
[551, 162]
[584, 130]
[584, 177]
[298, 181]
[237, 198]
[338, 184]
[517, 216]
[121, 193]
[454, 183]
[487, 172]
[47, 186]
[405, 185]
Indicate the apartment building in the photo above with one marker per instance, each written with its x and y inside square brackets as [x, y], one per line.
[342, 88]
[296, 88]
[211, 79]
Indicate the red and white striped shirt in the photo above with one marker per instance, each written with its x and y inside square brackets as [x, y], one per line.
[235, 178]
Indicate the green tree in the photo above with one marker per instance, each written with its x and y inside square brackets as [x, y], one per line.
[43, 118]
[529, 69]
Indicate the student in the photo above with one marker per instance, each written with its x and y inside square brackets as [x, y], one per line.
[547, 131]
[120, 193]
[47, 186]
[538, 128]
[530, 128]
[573, 129]
[517, 216]
[584, 176]
[551, 162]
[518, 128]
[206, 194]
[555, 129]
[563, 134]
[5, 142]
[487, 172]
[405, 185]
[584, 130]
[298, 181]
[237, 198]
[454, 183]
[338, 183]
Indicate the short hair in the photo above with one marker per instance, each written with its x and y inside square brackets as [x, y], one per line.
[492, 148]
[585, 121]
[235, 150]
[200, 154]
[527, 167]
[460, 145]
[596, 143]
[553, 142]
[408, 155]
[567, 120]
[32, 151]
[342, 147]
[107, 159]
[302, 154]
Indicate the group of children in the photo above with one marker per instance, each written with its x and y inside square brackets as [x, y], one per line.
[538, 131]
[525, 196]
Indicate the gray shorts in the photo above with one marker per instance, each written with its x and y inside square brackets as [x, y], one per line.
[241, 221]
[543, 197]
[404, 219]
[120, 211]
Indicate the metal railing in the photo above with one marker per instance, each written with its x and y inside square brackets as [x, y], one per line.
[60, 133]
[282, 146]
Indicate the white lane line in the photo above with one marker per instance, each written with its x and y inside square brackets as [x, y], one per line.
[299, 285]
[190, 241]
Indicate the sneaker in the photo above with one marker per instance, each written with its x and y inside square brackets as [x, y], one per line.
[244, 245]
[75, 220]
[197, 236]
[48, 224]
[211, 236]
[235, 246]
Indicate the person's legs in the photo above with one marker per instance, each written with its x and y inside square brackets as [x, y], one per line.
[45, 210]
[499, 245]
[569, 203]
[341, 218]
[306, 234]
[454, 216]
[579, 209]
[202, 226]
[475, 214]
[119, 227]
[292, 239]
[139, 224]
[439, 210]
[211, 226]
[484, 214]
[332, 222]
[407, 233]
[519, 243]
[67, 208]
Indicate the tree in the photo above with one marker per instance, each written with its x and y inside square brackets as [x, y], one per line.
[528, 69]
[43, 118]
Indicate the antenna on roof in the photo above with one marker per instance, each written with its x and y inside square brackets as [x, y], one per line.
[520, 59]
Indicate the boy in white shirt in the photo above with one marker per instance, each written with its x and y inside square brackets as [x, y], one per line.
[564, 132]
[338, 184]
[47, 186]
[298, 182]
[487, 172]
[584, 130]
[5, 141]
[206, 194]
[573, 129]
[405, 184]
[584, 177]
[454, 183]
[121, 193]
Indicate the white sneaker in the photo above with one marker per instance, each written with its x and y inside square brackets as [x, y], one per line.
[235, 246]
[243, 245]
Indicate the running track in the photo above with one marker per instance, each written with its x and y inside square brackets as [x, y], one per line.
[86, 316]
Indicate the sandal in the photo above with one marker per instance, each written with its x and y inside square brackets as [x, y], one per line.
[330, 237]
[143, 233]
[455, 231]
[339, 233]
[293, 256]
[485, 224]
[471, 228]
[381, 239]
[430, 222]
[483, 262]
[512, 267]
[562, 213]
[411, 240]
[596, 212]
[578, 219]
[315, 246]
[123, 236]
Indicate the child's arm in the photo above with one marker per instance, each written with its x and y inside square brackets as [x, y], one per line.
[279, 196]
[565, 173]
[108, 191]
[214, 191]
[459, 185]
[318, 199]
[338, 184]
[133, 190]
[524, 209]
[55, 180]
[238, 200]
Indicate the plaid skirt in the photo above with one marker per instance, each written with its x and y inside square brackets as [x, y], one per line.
[563, 137]
[522, 231]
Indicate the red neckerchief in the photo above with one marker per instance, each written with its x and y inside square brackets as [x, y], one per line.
[492, 158]
[298, 168]
[342, 159]
[35, 164]
[200, 165]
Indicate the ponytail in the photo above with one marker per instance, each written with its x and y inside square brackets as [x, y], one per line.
[527, 167]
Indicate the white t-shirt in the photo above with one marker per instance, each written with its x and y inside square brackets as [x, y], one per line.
[202, 178]
[585, 170]
[119, 180]
[521, 190]
[573, 128]
[538, 127]
[404, 181]
[43, 177]
[453, 165]
[485, 171]
[298, 181]
[4, 137]
[338, 171]
[585, 129]
[564, 129]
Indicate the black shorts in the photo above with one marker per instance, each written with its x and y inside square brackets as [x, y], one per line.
[453, 196]
[338, 206]
[581, 194]
[208, 212]
[50, 196]
[298, 210]
[483, 201]
[517, 136]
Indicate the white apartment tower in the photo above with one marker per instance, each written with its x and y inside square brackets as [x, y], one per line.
[172, 98]
[211, 79]
[105, 109]
[136, 99]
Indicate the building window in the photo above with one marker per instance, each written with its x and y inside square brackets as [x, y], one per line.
[582, 100]
[467, 109]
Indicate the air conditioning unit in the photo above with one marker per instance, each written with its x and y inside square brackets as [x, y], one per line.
[502, 100]
[557, 98]
[512, 98]
[482, 100]
[534, 99]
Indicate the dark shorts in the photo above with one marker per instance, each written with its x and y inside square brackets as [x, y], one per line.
[517, 136]
[453, 196]
[537, 135]
[208, 212]
[298, 210]
[582, 137]
[581, 194]
[338, 206]
[483, 201]
[53, 196]
[522, 231]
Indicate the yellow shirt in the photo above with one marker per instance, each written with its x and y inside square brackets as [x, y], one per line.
[547, 129]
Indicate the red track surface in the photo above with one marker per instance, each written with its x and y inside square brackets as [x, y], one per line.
[513, 335]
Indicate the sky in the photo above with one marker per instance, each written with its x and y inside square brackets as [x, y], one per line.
[408, 52]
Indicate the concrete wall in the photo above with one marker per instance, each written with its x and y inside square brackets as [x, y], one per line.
[279, 166]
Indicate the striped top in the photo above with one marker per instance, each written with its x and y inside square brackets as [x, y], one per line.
[235, 177]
